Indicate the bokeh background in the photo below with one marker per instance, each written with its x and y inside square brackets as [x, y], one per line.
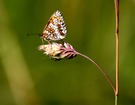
[27, 77]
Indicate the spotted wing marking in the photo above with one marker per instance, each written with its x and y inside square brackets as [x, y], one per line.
[55, 29]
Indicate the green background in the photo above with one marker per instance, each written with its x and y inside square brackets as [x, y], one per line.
[27, 77]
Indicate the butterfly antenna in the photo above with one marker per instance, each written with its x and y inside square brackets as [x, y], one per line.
[34, 34]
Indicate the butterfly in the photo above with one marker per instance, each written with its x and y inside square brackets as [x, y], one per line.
[55, 29]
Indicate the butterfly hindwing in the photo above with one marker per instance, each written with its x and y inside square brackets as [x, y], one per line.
[55, 29]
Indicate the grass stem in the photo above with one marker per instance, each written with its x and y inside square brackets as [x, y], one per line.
[103, 72]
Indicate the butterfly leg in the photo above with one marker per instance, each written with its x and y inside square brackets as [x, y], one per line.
[42, 41]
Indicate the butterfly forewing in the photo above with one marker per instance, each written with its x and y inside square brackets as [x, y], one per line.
[55, 29]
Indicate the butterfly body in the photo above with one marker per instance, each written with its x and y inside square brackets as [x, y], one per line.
[55, 29]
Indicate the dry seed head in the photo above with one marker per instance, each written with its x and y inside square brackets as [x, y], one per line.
[58, 51]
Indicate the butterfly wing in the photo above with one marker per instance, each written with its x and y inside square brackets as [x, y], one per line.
[55, 29]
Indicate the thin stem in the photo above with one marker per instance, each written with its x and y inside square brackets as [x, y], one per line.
[109, 80]
[116, 99]
[117, 45]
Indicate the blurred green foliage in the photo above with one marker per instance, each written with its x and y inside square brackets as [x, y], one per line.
[27, 77]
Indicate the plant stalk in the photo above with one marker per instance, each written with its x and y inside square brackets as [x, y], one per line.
[116, 2]
[103, 72]
[116, 99]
